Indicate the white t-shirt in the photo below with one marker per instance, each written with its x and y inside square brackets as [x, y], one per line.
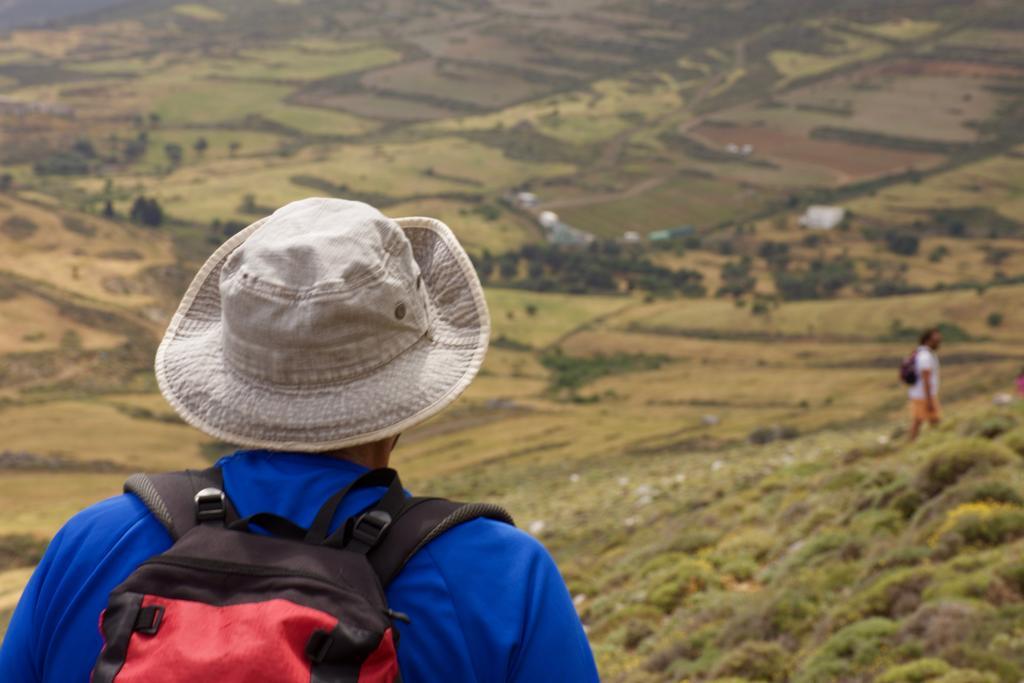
[926, 360]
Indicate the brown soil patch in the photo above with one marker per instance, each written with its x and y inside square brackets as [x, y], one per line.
[18, 228]
[937, 67]
[851, 161]
[376, 106]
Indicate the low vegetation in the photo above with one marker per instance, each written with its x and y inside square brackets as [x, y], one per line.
[818, 560]
[695, 399]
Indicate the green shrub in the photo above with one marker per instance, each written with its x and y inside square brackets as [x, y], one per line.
[851, 653]
[995, 492]
[692, 540]
[739, 568]
[903, 556]
[931, 670]
[918, 671]
[895, 594]
[686, 578]
[570, 373]
[907, 503]
[790, 614]
[750, 542]
[942, 626]
[950, 461]
[1014, 440]
[624, 619]
[966, 676]
[755, 661]
[980, 524]
[1013, 576]
[992, 426]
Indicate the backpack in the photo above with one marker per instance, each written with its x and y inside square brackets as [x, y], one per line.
[298, 605]
[908, 369]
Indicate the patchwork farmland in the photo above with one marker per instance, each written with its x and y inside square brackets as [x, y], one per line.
[691, 394]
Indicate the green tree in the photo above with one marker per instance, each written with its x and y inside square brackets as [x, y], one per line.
[174, 153]
[147, 212]
[902, 242]
[249, 204]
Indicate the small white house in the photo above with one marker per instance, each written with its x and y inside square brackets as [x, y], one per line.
[631, 237]
[823, 217]
[548, 219]
[527, 199]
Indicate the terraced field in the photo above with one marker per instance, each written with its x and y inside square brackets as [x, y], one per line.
[705, 425]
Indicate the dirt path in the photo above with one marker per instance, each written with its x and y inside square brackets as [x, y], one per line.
[611, 155]
[638, 189]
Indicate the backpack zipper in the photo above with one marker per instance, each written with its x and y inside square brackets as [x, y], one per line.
[237, 568]
[260, 570]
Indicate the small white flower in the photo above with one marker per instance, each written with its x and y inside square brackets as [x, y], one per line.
[574, 478]
[883, 440]
[623, 481]
[680, 478]
[578, 600]
[537, 527]
[717, 465]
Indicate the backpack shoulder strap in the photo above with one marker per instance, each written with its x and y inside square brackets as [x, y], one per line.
[171, 496]
[420, 521]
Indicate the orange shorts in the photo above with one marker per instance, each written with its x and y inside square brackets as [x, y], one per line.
[920, 411]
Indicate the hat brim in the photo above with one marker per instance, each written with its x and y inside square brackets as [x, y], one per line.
[210, 395]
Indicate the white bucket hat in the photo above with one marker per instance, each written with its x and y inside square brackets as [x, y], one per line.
[325, 325]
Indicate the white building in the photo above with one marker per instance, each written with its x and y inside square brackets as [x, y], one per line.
[822, 217]
[527, 199]
[548, 219]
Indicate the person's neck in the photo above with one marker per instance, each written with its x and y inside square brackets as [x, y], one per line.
[373, 456]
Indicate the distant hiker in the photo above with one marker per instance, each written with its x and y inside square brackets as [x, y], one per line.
[314, 337]
[921, 371]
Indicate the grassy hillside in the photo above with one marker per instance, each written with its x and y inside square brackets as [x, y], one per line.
[844, 556]
[703, 428]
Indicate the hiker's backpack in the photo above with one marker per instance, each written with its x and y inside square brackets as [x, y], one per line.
[908, 369]
[299, 605]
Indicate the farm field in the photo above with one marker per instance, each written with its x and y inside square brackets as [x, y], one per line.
[992, 183]
[691, 396]
[679, 200]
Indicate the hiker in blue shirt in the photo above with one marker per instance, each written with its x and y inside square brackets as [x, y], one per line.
[314, 338]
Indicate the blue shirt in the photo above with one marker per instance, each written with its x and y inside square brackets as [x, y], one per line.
[485, 600]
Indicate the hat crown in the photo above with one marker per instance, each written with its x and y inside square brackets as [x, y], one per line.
[316, 242]
[324, 290]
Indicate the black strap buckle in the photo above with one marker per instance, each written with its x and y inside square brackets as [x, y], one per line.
[148, 620]
[369, 528]
[211, 505]
[319, 645]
